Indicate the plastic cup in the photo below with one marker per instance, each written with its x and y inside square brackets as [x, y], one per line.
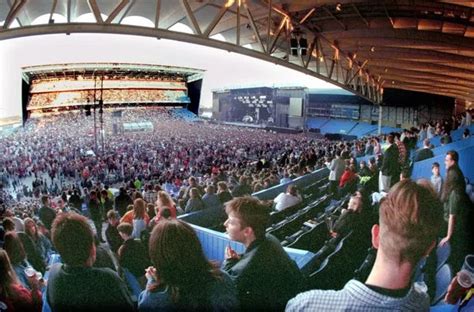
[30, 272]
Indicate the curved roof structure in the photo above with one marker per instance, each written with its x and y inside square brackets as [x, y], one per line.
[361, 46]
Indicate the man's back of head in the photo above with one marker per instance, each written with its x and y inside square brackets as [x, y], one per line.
[73, 238]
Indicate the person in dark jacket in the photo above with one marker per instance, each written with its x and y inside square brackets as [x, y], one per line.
[111, 233]
[265, 276]
[46, 213]
[390, 165]
[122, 201]
[425, 152]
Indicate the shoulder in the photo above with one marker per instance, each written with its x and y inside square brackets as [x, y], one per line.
[318, 300]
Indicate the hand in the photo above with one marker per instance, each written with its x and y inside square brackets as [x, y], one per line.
[34, 282]
[443, 241]
[231, 254]
[333, 234]
[150, 274]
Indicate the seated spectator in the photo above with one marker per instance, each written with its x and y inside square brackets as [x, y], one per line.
[210, 198]
[111, 233]
[13, 295]
[182, 279]
[265, 275]
[364, 171]
[348, 180]
[288, 199]
[76, 285]
[410, 218]
[33, 253]
[243, 188]
[132, 255]
[425, 152]
[195, 202]
[223, 192]
[349, 219]
[164, 200]
[436, 178]
[16, 252]
[466, 133]
[446, 138]
[42, 243]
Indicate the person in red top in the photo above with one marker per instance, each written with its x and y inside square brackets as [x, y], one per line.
[14, 296]
[348, 176]
[164, 201]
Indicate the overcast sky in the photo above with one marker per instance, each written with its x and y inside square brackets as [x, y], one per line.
[223, 69]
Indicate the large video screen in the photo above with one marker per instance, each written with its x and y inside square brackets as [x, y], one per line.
[71, 91]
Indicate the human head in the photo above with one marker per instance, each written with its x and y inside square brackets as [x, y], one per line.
[390, 139]
[164, 199]
[194, 193]
[410, 218]
[426, 143]
[210, 189]
[355, 203]
[451, 159]
[291, 189]
[435, 169]
[139, 209]
[14, 248]
[8, 224]
[125, 230]
[30, 227]
[73, 238]
[177, 255]
[45, 200]
[222, 187]
[112, 217]
[247, 219]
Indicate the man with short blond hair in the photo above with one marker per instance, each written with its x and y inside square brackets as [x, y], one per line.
[410, 217]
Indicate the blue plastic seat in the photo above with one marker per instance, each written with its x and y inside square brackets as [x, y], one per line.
[442, 255]
[443, 279]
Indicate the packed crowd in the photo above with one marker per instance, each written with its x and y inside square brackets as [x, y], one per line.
[185, 167]
[109, 96]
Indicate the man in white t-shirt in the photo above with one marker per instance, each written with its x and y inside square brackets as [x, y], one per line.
[288, 199]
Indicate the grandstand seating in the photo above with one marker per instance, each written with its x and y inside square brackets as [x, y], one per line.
[185, 114]
[422, 169]
[345, 126]
[363, 129]
[338, 126]
[442, 255]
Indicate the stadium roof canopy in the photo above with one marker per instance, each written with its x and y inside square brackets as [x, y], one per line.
[361, 46]
[132, 71]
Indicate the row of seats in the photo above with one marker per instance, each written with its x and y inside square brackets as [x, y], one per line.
[345, 126]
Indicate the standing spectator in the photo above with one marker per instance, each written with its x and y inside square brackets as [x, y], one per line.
[41, 242]
[76, 285]
[409, 221]
[46, 213]
[111, 233]
[183, 279]
[390, 165]
[96, 214]
[337, 168]
[458, 212]
[122, 201]
[164, 201]
[138, 211]
[288, 199]
[265, 275]
[436, 178]
[132, 255]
